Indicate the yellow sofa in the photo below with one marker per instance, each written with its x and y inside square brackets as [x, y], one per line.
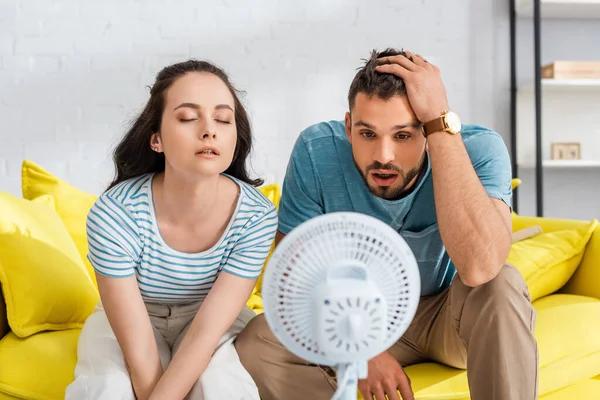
[41, 365]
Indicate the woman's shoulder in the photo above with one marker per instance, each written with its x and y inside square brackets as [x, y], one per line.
[252, 197]
[123, 203]
[133, 189]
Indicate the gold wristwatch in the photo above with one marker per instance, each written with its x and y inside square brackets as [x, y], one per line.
[448, 122]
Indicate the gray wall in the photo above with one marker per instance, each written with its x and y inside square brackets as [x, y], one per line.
[573, 192]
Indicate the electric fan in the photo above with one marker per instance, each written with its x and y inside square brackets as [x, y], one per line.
[340, 289]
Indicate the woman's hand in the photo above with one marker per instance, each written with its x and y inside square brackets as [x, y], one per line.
[216, 315]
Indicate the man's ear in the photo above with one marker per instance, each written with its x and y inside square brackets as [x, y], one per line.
[348, 123]
[156, 142]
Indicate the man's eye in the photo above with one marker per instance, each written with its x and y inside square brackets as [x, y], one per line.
[402, 136]
[368, 134]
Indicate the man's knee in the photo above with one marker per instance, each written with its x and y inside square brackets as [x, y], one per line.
[508, 284]
[505, 296]
[253, 339]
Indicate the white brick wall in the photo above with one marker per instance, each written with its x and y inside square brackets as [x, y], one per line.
[74, 72]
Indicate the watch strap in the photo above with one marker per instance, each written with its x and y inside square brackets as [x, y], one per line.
[436, 125]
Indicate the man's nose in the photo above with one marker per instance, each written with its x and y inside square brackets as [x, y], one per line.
[385, 153]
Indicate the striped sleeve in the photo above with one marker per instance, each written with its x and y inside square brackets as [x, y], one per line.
[113, 239]
[250, 252]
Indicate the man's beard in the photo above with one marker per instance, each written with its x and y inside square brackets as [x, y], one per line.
[389, 192]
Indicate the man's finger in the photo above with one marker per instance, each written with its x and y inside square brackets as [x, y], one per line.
[366, 395]
[378, 393]
[394, 69]
[392, 392]
[420, 61]
[399, 60]
[405, 389]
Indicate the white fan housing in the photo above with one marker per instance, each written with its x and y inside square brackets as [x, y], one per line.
[340, 289]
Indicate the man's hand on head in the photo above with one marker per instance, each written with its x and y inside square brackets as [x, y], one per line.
[385, 377]
[424, 87]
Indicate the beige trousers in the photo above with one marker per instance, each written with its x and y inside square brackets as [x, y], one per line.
[101, 374]
[488, 330]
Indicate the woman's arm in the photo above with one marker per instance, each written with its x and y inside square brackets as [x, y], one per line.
[114, 251]
[130, 322]
[218, 311]
[216, 314]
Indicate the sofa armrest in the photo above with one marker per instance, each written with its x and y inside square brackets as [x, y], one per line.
[586, 280]
[3, 321]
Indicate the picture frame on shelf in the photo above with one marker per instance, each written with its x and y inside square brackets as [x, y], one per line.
[565, 151]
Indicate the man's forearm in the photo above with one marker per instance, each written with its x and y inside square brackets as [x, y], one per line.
[473, 231]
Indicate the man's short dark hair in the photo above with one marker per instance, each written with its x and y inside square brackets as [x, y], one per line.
[371, 82]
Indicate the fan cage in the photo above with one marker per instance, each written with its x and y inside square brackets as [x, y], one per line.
[300, 264]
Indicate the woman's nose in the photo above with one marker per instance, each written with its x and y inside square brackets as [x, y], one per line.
[210, 130]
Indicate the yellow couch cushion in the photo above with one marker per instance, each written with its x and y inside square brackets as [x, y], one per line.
[569, 344]
[71, 204]
[39, 367]
[44, 281]
[548, 260]
[585, 390]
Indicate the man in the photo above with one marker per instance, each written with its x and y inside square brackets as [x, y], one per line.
[402, 157]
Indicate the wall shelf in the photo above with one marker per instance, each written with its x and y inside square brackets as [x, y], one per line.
[588, 9]
[568, 104]
[565, 85]
[565, 164]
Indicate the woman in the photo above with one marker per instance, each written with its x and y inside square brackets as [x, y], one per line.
[177, 241]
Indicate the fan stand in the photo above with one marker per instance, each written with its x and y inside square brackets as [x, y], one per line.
[348, 375]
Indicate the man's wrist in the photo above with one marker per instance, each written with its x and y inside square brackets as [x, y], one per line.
[434, 114]
[442, 138]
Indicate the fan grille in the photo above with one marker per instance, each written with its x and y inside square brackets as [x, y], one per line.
[300, 264]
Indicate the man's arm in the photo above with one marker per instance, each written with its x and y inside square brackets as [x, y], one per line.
[475, 229]
[279, 237]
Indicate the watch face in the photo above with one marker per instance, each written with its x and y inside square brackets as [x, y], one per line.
[453, 121]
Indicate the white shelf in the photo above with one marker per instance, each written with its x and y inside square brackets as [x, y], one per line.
[588, 9]
[565, 84]
[566, 164]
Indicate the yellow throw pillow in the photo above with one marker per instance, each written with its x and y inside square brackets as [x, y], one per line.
[44, 281]
[548, 260]
[71, 204]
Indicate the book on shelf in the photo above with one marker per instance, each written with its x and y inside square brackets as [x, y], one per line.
[572, 70]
